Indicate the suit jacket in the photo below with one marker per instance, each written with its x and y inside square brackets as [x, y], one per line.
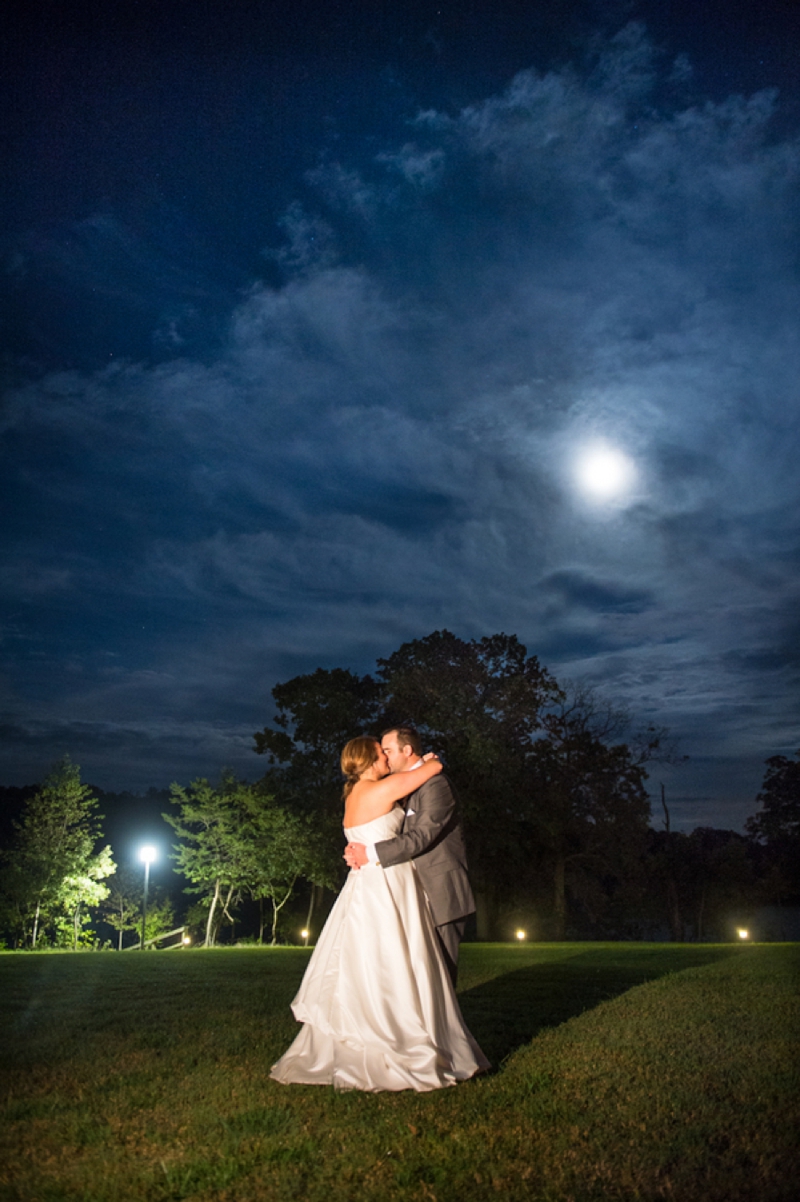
[433, 838]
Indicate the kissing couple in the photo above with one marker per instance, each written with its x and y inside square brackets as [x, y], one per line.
[378, 1002]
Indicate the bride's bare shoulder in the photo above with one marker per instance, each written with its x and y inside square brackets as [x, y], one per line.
[361, 809]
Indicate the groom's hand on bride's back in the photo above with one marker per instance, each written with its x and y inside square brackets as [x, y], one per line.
[355, 855]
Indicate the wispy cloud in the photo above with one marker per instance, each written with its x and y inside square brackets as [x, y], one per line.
[384, 443]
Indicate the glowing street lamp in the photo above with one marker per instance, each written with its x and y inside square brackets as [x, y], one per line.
[147, 854]
[305, 934]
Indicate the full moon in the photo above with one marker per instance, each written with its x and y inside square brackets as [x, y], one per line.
[604, 473]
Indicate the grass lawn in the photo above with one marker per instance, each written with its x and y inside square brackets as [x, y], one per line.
[623, 1071]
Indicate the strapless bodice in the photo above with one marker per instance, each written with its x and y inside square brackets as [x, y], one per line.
[384, 827]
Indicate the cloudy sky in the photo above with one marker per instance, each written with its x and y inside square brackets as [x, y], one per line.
[328, 326]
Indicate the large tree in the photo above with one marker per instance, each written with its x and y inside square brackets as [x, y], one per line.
[51, 871]
[586, 804]
[315, 715]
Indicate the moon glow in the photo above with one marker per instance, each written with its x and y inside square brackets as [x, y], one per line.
[604, 473]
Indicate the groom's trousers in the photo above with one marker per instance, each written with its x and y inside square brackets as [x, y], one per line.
[450, 936]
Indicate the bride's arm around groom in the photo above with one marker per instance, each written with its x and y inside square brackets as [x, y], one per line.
[432, 836]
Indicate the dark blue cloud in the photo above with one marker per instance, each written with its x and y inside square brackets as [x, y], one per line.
[577, 589]
[377, 434]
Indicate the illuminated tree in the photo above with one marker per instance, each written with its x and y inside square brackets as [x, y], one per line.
[51, 871]
[80, 890]
[160, 918]
[236, 840]
[283, 847]
[213, 853]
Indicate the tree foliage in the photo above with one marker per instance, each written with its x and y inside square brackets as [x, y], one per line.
[777, 825]
[81, 891]
[51, 871]
[211, 851]
[122, 908]
[236, 840]
[587, 805]
[702, 884]
[316, 715]
[779, 819]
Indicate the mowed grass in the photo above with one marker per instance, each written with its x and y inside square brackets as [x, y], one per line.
[623, 1071]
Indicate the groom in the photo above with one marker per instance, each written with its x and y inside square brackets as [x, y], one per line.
[433, 838]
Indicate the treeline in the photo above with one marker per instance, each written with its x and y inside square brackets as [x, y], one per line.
[59, 888]
[552, 783]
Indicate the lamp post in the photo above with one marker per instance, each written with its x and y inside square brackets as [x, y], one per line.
[147, 854]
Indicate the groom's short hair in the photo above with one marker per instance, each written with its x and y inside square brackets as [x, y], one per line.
[406, 737]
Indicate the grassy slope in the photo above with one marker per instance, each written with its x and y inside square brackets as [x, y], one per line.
[147, 1078]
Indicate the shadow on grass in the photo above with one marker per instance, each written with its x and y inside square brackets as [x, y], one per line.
[508, 1011]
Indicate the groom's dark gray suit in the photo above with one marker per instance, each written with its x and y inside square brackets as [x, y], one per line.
[433, 838]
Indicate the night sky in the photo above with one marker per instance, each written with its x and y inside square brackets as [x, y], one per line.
[326, 326]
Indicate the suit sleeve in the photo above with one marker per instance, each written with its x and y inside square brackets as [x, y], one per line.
[435, 810]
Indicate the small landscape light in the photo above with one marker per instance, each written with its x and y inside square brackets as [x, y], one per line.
[187, 939]
[521, 936]
[305, 934]
[743, 933]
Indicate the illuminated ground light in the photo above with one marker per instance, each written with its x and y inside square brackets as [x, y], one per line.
[743, 932]
[520, 935]
[604, 473]
[304, 934]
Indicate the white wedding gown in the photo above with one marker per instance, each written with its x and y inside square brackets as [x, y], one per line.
[377, 1005]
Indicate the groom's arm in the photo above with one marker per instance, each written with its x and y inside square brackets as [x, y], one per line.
[434, 811]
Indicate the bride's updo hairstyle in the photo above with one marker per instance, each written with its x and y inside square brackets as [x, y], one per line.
[357, 757]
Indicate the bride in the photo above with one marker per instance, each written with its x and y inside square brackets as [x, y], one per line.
[377, 1004]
